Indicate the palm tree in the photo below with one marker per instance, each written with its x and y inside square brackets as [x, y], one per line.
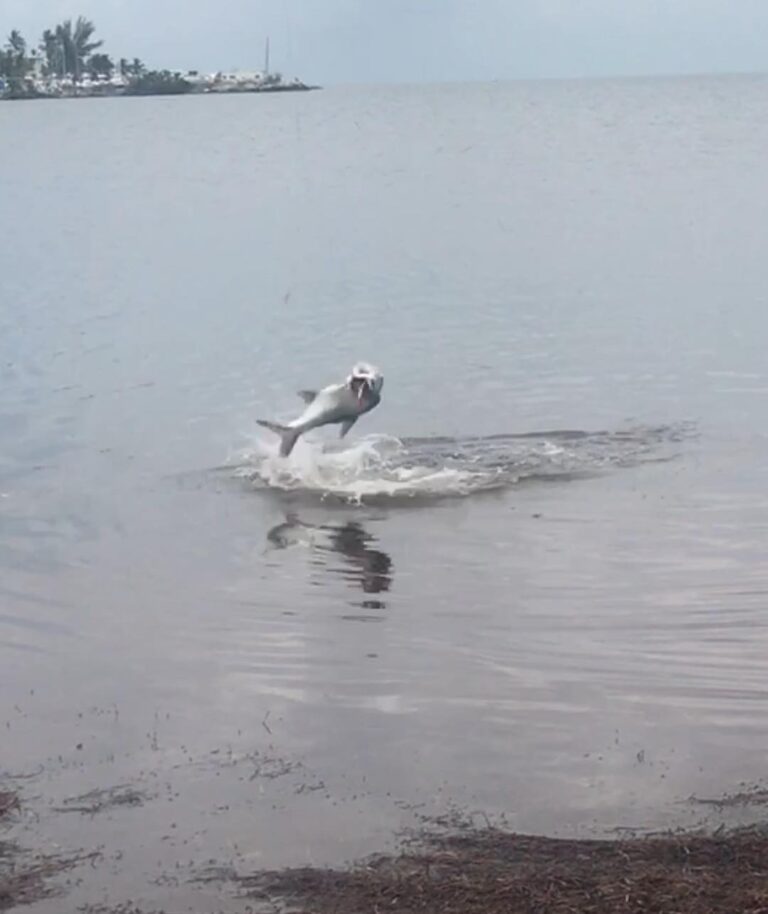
[100, 65]
[76, 43]
[15, 63]
[66, 46]
[17, 43]
[50, 45]
[48, 49]
[82, 36]
[134, 69]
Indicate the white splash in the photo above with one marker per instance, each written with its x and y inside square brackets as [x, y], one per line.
[370, 468]
[384, 468]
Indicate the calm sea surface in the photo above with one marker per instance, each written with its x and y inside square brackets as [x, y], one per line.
[532, 583]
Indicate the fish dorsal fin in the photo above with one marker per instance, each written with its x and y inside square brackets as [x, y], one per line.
[308, 395]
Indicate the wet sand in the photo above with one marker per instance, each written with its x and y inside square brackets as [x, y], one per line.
[450, 867]
[254, 825]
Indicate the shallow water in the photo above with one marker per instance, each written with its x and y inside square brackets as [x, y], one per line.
[531, 583]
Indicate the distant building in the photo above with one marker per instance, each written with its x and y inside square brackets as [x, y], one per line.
[238, 79]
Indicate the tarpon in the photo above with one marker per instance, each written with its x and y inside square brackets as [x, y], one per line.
[337, 403]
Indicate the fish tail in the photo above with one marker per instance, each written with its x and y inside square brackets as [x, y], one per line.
[288, 436]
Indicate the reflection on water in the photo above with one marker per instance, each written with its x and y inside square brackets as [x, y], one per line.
[371, 567]
[363, 564]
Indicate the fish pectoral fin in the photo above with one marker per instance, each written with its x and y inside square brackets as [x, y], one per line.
[346, 425]
[308, 395]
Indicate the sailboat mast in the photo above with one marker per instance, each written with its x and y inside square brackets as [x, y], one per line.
[266, 58]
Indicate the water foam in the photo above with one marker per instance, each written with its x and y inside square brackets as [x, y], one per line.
[382, 467]
[376, 466]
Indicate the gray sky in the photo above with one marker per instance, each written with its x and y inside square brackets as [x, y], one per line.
[338, 41]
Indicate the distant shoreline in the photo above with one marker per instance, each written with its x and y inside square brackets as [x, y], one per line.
[69, 63]
[129, 93]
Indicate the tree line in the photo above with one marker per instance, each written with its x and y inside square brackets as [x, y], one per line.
[67, 50]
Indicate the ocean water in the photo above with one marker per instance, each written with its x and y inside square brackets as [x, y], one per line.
[530, 586]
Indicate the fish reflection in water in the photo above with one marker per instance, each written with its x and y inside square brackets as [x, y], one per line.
[365, 565]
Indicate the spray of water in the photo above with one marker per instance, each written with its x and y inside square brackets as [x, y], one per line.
[381, 467]
[373, 467]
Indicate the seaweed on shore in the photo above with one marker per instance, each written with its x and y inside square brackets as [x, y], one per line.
[8, 803]
[494, 872]
[25, 877]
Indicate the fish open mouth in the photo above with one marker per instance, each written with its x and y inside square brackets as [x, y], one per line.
[360, 386]
[365, 383]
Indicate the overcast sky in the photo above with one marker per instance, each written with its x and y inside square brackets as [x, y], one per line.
[340, 41]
